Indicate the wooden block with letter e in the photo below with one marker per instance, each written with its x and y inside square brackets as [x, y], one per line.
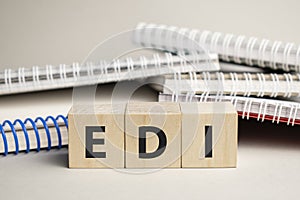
[153, 135]
[209, 135]
[96, 136]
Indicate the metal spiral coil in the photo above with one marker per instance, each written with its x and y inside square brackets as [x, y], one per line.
[33, 124]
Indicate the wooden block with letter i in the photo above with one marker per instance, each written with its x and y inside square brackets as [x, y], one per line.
[209, 135]
[153, 135]
[96, 136]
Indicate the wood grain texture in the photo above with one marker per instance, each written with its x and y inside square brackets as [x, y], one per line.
[165, 116]
[99, 115]
[222, 117]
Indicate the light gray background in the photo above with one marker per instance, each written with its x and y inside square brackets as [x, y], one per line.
[54, 32]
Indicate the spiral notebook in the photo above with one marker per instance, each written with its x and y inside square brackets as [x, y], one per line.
[218, 83]
[231, 48]
[39, 105]
[247, 107]
[25, 135]
[64, 76]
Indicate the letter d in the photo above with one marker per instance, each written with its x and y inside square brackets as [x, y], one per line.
[162, 139]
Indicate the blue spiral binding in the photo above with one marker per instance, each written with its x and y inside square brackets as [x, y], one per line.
[4, 140]
[37, 136]
[25, 133]
[34, 126]
[46, 129]
[14, 134]
[57, 130]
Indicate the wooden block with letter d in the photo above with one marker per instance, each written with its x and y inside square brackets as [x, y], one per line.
[96, 136]
[209, 135]
[153, 135]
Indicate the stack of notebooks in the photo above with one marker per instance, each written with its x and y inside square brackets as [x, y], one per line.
[189, 65]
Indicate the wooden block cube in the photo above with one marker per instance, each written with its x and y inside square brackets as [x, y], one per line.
[209, 135]
[153, 135]
[96, 136]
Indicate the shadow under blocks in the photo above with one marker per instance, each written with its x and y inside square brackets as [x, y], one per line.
[268, 135]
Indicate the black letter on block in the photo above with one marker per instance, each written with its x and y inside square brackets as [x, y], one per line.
[208, 141]
[142, 141]
[89, 142]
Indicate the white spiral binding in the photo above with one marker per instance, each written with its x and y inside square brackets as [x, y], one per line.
[194, 78]
[274, 53]
[249, 50]
[249, 80]
[157, 63]
[257, 84]
[290, 116]
[249, 108]
[286, 55]
[263, 53]
[205, 91]
[130, 65]
[205, 88]
[35, 75]
[50, 77]
[289, 80]
[262, 80]
[245, 106]
[203, 37]
[237, 48]
[260, 110]
[235, 102]
[219, 86]
[91, 69]
[264, 112]
[214, 41]
[295, 114]
[279, 113]
[263, 84]
[208, 81]
[63, 72]
[275, 113]
[21, 76]
[118, 65]
[144, 63]
[76, 73]
[7, 77]
[247, 91]
[226, 44]
[232, 84]
[183, 62]
[222, 78]
[276, 85]
[49, 74]
[237, 82]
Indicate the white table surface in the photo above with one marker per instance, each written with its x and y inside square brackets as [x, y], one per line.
[53, 32]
